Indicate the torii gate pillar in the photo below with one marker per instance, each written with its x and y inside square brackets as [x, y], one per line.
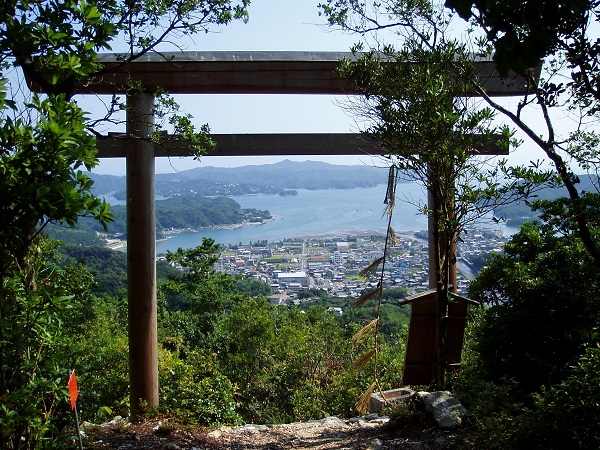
[433, 251]
[141, 254]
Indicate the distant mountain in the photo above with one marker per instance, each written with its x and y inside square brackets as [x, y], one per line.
[278, 178]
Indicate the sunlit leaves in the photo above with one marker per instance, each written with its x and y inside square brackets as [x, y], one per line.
[56, 42]
[196, 140]
[362, 17]
[36, 299]
[584, 147]
[37, 168]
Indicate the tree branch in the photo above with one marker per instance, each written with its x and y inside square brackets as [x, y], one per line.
[566, 176]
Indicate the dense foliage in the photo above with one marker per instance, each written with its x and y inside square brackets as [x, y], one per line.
[253, 287]
[542, 297]
[39, 168]
[533, 350]
[225, 358]
[523, 36]
[38, 318]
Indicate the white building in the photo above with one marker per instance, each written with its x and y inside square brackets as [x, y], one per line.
[286, 278]
[343, 247]
[338, 258]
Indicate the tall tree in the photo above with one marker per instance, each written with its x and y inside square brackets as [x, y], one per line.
[416, 104]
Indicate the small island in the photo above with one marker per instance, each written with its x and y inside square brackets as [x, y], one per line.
[194, 212]
[288, 193]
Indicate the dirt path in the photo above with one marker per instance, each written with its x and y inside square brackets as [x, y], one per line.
[329, 433]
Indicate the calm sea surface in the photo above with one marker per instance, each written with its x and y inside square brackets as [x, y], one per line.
[320, 213]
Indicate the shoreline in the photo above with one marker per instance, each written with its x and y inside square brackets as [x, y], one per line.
[120, 244]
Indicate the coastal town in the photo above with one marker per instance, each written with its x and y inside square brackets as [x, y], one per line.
[334, 264]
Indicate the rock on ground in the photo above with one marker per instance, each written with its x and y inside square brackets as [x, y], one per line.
[445, 409]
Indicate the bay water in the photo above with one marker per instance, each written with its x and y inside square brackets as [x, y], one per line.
[317, 213]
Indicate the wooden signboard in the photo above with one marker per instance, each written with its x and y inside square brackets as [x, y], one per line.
[420, 360]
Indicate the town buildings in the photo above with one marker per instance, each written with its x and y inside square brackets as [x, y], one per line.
[335, 265]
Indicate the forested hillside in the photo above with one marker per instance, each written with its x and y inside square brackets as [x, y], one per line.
[192, 212]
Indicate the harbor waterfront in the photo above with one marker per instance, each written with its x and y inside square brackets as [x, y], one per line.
[319, 214]
[334, 264]
[322, 236]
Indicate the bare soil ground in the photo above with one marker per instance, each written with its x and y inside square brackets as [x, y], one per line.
[330, 433]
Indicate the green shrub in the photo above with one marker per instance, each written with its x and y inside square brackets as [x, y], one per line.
[33, 370]
[295, 365]
[565, 417]
[493, 409]
[568, 415]
[192, 390]
[493, 405]
[102, 369]
[541, 301]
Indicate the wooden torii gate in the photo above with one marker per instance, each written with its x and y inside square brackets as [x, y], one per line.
[214, 73]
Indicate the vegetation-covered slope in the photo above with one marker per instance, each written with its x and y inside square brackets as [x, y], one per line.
[192, 212]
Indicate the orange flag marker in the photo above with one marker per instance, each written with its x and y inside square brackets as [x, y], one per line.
[73, 391]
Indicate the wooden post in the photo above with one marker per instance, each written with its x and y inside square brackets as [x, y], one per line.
[141, 255]
[435, 250]
[453, 272]
[431, 240]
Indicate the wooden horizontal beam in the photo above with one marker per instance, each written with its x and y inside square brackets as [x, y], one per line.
[304, 144]
[261, 72]
[226, 73]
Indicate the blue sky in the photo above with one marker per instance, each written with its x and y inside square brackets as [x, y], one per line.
[273, 25]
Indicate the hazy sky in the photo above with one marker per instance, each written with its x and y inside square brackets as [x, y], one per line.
[273, 25]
